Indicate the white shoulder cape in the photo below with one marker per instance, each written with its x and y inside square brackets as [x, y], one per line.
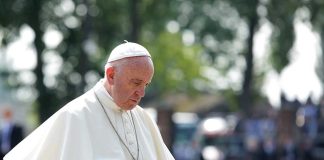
[80, 131]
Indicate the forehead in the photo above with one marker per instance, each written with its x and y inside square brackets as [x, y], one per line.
[137, 68]
[141, 72]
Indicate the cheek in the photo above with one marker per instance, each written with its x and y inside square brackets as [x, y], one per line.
[123, 92]
[129, 92]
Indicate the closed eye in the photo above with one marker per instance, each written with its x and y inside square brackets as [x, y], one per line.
[136, 82]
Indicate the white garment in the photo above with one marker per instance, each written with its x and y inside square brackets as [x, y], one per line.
[81, 131]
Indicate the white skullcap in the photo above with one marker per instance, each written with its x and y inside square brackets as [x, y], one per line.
[127, 49]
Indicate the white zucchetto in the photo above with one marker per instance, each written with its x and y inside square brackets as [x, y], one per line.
[128, 49]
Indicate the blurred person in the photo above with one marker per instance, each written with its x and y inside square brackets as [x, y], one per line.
[306, 148]
[105, 122]
[253, 137]
[269, 149]
[288, 150]
[183, 151]
[11, 132]
[309, 114]
[253, 148]
[320, 129]
[268, 135]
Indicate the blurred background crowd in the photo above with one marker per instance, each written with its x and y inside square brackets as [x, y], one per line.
[294, 132]
[233, 79]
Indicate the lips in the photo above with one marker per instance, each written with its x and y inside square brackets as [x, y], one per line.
[134, 100]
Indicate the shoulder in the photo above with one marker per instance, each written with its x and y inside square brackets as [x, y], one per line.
[79, 105]
[142, 115]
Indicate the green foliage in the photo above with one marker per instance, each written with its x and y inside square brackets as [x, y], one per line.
[154, 14]
[232, 100]
[101, 23]
[176, 66]
[12, 9]
[316, 8]
[213, 22]
[217, 26]
[320, 68]
[281, 15]
[281, 45]
[111, 26]
[246, 9]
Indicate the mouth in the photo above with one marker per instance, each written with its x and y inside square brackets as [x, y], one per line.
[135, 101]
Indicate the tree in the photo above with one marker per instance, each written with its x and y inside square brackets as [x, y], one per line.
[316, 9]
[213, 24]
[177, 67]
[216, 29]
[89, 30]
[249, 12]
[281, 15]
[34, 20]
[28, 12]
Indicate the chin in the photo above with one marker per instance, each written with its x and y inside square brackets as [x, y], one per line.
[132, 107]
[129, 107]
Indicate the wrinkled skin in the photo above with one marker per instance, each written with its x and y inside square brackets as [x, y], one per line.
[127, 79]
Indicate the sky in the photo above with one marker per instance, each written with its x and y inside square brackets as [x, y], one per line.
[298, 80]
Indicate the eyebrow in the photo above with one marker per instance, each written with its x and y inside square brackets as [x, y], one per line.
[139, 81]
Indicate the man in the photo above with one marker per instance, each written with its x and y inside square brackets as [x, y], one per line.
[105, 123]
[11, 133]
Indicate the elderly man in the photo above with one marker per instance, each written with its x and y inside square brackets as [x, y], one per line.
[106, 122]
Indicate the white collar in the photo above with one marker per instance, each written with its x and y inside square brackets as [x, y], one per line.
[105, 98]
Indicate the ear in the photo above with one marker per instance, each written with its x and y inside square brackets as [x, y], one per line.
[110, 74]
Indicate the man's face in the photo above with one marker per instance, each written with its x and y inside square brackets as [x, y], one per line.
[130, 80]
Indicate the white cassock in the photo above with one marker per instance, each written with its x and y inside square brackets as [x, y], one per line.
[82, 130]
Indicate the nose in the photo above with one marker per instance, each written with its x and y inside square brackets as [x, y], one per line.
[141, 92]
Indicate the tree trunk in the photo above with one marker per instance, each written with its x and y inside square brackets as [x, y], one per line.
[245, 99]
[43, 94]
[135, 20]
